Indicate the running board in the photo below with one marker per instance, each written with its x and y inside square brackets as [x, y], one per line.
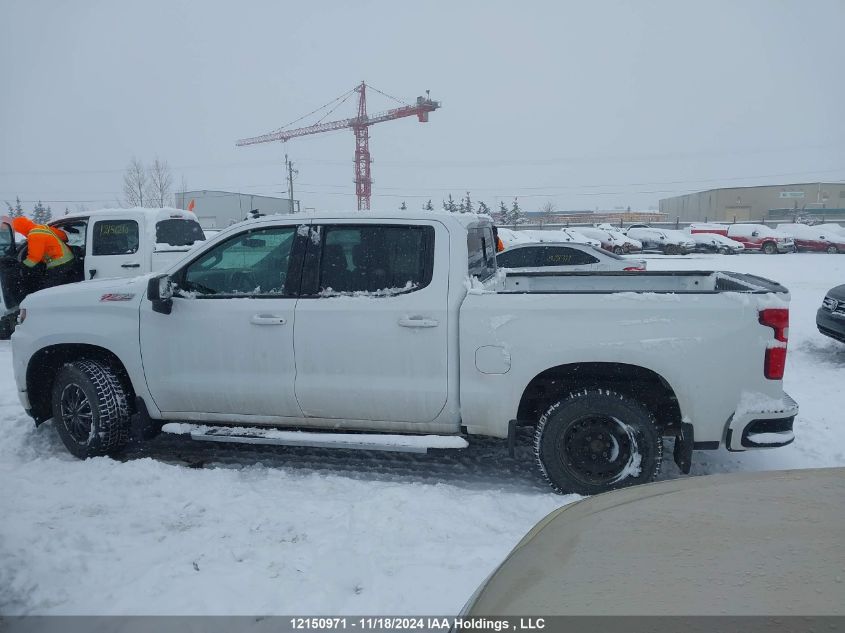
[347, 441]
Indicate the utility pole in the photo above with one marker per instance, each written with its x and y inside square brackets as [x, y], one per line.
[289, 167]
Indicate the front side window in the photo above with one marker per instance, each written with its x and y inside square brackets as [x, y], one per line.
[115, 237]
[481, 250]
[254, 263]
[563, 256]
[178, 232]
[382, 260]
[75, 230]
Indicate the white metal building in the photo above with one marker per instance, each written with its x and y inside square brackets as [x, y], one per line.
[219, 209]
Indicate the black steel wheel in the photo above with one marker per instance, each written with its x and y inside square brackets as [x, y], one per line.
[597, 440]
[90, 409]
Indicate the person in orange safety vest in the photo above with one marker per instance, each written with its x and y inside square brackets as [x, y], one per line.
[46, 245]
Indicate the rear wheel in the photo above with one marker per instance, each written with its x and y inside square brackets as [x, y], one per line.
[90, 409]
[7, 326]
[770, 248]
[597, 440]
[671, 249]
[725, 250]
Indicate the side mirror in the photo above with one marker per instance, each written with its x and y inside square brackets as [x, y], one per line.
[755, 234]
[160, 293]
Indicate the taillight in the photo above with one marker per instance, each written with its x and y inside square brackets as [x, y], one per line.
[775, 360]
[639, 268]
[777, 319]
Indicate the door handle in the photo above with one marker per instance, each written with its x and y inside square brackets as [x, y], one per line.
[130, 265]
[267, 319]
[418, 322]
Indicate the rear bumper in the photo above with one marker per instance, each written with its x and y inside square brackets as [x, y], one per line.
[769, 427]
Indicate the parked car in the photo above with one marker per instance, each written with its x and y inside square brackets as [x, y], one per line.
[510, 237]
[830, 317]
[762, 544]
[108, 243]
[612, 241]
[629, 243]
[562, 235]
[755, 237]
[667, 241]
[715, 243]
[814, 238]
[409, 337]
[564, 257]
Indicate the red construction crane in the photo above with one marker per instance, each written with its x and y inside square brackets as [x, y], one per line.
[360, 126]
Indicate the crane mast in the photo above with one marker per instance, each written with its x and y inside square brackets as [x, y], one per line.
[360, 125]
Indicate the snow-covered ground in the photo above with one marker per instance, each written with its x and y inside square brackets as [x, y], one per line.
[184, 528]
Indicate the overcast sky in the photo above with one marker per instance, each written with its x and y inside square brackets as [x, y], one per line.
[585, 104]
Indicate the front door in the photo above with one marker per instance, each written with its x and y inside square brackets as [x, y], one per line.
[371, 324]
[115, 249]
[226, 348]
[11, 283]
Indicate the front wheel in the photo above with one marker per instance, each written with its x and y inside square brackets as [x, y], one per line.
[671, 249]
[618, 250]
[770, 248]
[725, 250]
[597, 440]
[90, 409]
[832, 249]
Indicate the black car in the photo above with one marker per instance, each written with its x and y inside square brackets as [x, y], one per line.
[830, 319]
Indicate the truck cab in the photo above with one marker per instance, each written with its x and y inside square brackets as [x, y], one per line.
[108, 243]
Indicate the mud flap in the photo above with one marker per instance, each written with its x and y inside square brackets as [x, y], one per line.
[683, 447]
[141, 426]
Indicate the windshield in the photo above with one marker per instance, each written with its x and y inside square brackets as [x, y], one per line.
[178, 232]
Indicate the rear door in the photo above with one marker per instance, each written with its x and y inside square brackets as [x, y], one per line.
[114, 248]
[371, 323]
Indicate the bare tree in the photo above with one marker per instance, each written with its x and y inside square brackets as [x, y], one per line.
[548, 211]
[160, 183]
[135, 184]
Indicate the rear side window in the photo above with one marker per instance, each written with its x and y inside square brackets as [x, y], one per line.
[563, 256]
[178, 232]
[115, 237]
[481, 250]
[518, 257]
[383, 260]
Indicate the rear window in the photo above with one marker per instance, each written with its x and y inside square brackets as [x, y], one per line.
[178, 232]
[481, 249]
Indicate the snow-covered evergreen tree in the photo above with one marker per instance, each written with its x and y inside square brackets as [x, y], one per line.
[516, 213]
[39, 213]
[17, 210]
[483, 208]
[449, 205]
[403, 206]
[504, 213]
[428, 206]
[468, 204]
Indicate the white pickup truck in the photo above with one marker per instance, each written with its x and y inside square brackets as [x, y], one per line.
[106, 243]
[383, 331]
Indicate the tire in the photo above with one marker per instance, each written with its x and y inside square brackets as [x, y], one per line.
[578, 436]
[7, 326]
[832, 249]
[725, 250]
[770, 248]
[671, 249]
[618, 250]
[90, 409]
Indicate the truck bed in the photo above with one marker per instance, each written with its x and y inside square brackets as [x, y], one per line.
[676, 282]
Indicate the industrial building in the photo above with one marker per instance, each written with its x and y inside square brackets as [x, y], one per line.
[822, 201]
[219, 209]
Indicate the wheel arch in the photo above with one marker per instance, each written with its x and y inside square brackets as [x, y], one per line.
[45, 363]
[639, 383]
